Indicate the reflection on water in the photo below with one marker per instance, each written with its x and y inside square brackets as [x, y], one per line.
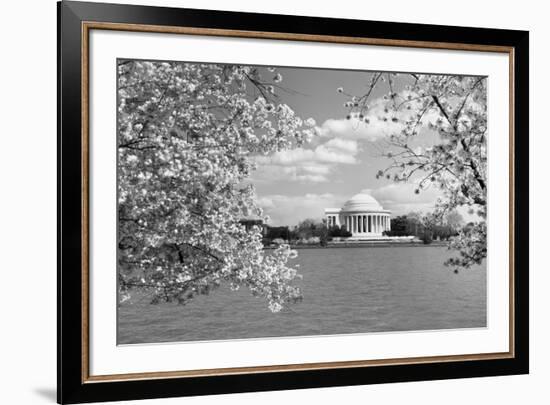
[346, 290]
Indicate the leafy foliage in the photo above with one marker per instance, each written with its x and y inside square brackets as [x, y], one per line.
[313, 231]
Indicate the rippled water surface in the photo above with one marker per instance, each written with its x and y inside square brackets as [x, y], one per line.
[345, 290]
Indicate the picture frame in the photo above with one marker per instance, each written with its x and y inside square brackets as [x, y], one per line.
[76, 21]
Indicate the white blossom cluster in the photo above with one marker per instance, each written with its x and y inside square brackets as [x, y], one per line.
[186, 135]
[455, 108]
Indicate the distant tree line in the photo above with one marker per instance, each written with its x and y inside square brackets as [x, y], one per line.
[307, 232]
[426, 228]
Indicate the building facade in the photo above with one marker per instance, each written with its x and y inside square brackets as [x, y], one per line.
[362, 215]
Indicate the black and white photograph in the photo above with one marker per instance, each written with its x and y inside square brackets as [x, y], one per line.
[243, 203]
[279, 201]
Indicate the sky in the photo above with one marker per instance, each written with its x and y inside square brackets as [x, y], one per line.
[341, 161]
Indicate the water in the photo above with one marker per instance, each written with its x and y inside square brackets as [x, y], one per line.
[345, 290]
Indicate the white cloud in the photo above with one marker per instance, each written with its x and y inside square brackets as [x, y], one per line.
[352, 128]
[306, 165]
[382, 122]
[339, 144]
[316, 168]
[302, 173]
[290, 210]
[333, 151]
[401, 198]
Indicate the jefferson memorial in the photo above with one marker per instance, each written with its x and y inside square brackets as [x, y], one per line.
[362, 215]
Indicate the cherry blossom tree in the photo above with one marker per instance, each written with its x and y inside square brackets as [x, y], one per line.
[452, 107]
[186, 135]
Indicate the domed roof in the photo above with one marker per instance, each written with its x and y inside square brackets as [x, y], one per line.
[362, 202]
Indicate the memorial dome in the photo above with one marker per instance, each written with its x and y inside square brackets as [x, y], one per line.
[362, 202]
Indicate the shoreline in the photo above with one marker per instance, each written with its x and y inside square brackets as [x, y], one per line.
[361, 244]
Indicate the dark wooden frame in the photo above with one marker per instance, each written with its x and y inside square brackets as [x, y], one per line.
[75, 19]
